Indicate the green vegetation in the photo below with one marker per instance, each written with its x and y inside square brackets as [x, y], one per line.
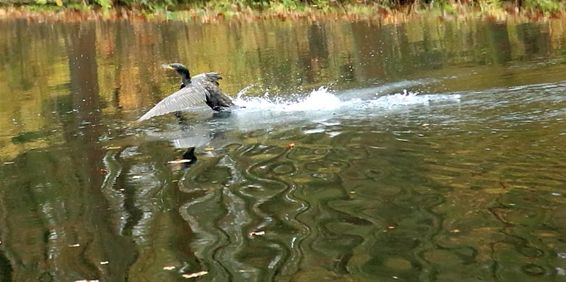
[281, 7]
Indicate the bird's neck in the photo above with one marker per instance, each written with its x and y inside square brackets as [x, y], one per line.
[185, 76]
[186, 80]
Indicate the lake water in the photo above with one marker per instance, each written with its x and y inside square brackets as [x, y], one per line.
[426, 151]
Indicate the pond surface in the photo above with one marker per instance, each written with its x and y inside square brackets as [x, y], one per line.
[426, 151]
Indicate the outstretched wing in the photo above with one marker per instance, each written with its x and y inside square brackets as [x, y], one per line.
[211, 77]
[194, 94]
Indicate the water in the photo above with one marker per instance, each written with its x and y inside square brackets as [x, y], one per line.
[426, 151]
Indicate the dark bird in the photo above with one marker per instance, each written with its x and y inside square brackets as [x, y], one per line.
[197, 90]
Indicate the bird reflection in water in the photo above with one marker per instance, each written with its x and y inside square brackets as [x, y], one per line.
[186, 159]
[189, 137]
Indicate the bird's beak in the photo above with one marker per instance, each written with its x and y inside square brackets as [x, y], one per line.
[166, 66]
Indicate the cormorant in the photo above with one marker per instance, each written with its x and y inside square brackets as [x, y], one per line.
[196, 90]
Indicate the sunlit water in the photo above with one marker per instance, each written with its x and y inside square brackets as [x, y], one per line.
[428, 151]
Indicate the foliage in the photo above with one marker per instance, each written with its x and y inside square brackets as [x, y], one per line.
[447, 6]
[105, 4]
[489, 5]
[545, 6]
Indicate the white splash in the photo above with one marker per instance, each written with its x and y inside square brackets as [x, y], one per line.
[406, 98]
[320, 99]
[317, 100]
[324, 100]
[321, 105]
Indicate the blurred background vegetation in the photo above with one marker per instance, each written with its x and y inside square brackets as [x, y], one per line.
[548, 7]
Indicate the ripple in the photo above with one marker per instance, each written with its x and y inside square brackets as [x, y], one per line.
[305, 154]
[325, 166]
[533, 269]
[286, 168]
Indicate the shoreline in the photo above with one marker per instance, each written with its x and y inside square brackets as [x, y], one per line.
[349, 12]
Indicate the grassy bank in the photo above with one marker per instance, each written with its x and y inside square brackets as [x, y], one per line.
[214, 10]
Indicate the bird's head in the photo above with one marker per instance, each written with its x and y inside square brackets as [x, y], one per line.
[181, 70]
